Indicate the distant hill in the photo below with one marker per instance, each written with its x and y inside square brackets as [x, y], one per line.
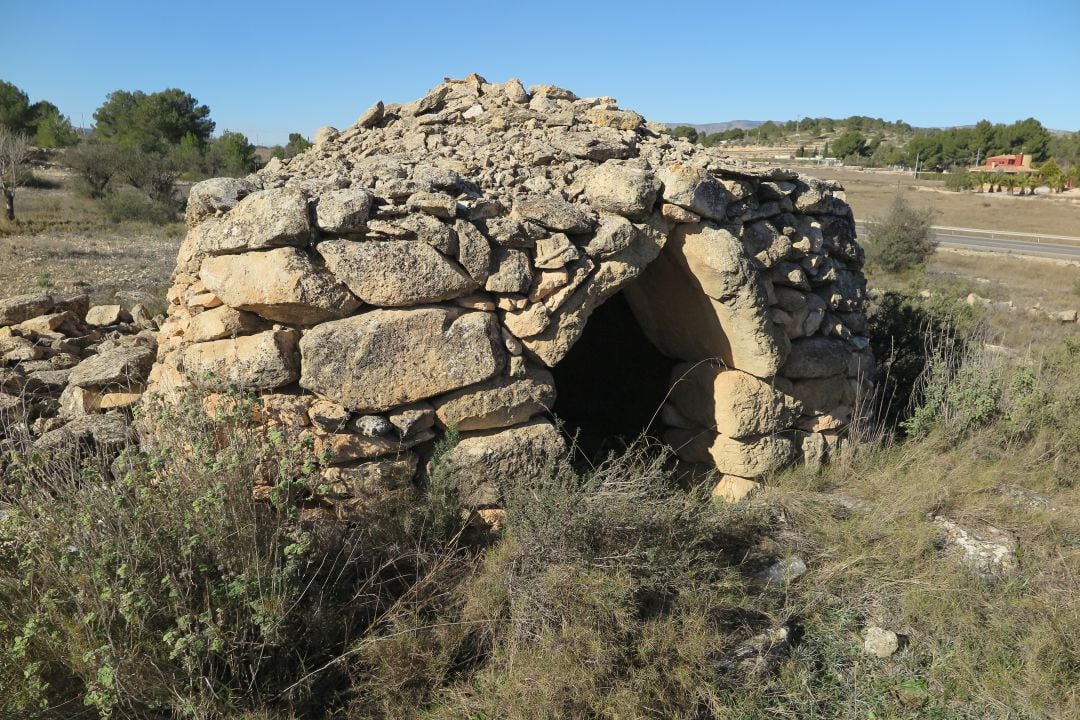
[710, 128]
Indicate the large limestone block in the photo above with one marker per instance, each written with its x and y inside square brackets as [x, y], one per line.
[119, 366]
[619, 119]
[569, 317]
[104, 315]
[395, 273]
[371, 479]
[265, 219]
[104, 432]
[823, 395]
[481, 461]
[20, 308]
[847, 293]
[693, 188]
[614, 234]
[222, 322]
[513, 273]
[623, 190]
[599, 144]
[282, 285]
[817, 357]
[474, 251]
[343, 211]
[552, 212]
[701, 299]
[733, 489]
[46, 324]
[718, 263]
[253, 362]
[384, 358]
[215, 196]
[501, 402]
[735, 403]
[76, 402]
[78, 305]
[17, 349]
[746, 457]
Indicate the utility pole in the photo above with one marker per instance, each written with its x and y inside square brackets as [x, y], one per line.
[917, 156]
[978, 156]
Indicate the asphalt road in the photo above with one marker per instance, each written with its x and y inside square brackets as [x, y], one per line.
[1019, 247]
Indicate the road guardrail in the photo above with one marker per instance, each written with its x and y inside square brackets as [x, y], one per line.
[1037, 238]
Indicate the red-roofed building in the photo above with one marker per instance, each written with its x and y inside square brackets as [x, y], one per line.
[1018, 163]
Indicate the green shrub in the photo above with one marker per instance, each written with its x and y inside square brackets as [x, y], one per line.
[159, 586]
[910, 336]
[959, 179]
[95, 164]
[957, 397]
[131, 205]
[903, 239]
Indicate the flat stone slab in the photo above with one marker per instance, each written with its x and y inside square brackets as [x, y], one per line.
[384, 358]
[282, 285]
[254, 362]
[395, 273]
[119, 366]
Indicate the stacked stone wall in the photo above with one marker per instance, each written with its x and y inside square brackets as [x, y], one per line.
[424, 268]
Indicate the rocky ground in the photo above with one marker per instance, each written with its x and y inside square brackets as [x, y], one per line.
[104, 264]
[70, 372]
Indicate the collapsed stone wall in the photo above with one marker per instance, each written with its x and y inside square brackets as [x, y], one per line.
[70, 373]
[426, 267]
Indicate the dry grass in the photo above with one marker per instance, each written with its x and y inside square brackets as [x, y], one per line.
[975, 649]
[870, 193]
[62, 241]
[1033, 287]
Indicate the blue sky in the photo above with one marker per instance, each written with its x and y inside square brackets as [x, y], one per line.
[268, 68]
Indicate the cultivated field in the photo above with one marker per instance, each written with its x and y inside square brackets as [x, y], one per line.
[870, 192]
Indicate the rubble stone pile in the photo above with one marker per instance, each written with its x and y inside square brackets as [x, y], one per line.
[70, 373]
[428, 267]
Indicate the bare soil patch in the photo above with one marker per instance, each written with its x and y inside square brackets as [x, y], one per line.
[61, 241]
[130, 268]
[871, 192]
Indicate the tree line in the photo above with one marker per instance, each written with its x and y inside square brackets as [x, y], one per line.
[875, 142]
[140, 145]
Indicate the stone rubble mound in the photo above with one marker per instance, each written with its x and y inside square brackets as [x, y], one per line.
[70, 373]
[425, 268]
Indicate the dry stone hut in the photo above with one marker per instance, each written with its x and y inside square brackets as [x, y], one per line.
[486, 256]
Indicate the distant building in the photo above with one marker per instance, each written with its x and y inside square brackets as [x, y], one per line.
[1010, 164]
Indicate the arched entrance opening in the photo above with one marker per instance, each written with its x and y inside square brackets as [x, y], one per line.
[611, 385]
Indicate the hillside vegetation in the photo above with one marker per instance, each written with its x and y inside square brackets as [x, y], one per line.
[875, 142]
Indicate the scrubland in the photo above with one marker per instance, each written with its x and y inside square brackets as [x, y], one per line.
[153, 585]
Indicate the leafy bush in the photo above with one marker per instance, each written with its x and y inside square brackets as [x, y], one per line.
[131, 205]
[902, 240]
[95, 164]
[910, 334]
[152, 172]
[960, 179]
[161, 585]
[959, 397]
